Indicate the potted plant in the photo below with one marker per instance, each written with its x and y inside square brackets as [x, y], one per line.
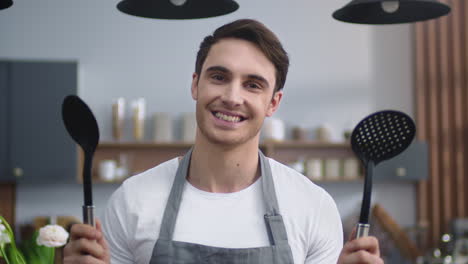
[39, 249]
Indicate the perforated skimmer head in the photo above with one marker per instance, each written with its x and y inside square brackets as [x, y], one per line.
[382, 135]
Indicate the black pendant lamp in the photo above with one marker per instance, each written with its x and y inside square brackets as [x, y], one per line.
[177, 9]
[4, 4]
[390, 11]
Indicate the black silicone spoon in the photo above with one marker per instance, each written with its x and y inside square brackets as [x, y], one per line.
[82, 127]
[378, 137]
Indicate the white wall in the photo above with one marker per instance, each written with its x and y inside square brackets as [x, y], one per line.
[339, 72]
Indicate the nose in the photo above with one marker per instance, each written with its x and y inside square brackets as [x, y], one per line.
[232, 95]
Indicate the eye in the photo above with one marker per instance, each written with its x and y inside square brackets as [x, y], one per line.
[253, 85]
[217, 77]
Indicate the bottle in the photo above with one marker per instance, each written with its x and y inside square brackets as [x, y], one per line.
[138, 107]
[118, 117]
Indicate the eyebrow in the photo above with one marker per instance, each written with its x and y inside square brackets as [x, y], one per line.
[218, 68]
[226, 70]
[258, 78]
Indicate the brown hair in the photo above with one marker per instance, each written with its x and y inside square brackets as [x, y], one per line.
[256, 33]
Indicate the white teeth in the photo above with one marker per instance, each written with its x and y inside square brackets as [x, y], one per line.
[227, 118]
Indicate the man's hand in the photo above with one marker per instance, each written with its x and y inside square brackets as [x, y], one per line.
[364, 250]
[86, 245]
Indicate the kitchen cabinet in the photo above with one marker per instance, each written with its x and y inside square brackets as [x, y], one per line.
[4, 124]
[7, 202]
[410, 165]
[35, 147]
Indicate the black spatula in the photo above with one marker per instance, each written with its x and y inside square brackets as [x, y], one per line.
[82, 127]
[378, 137]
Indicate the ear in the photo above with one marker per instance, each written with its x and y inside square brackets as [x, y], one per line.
[194, 88]
[274, 103]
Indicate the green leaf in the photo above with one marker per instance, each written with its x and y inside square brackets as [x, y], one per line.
[36, 254]
[13, 255]
[11, 252]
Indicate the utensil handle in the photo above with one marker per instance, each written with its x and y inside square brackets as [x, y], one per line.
[367, 193]
[362, 230]
[88, 215]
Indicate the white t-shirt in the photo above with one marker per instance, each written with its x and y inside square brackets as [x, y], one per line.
[232, 220]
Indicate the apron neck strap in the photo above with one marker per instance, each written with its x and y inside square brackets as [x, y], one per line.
[175, 197]
[268, 187]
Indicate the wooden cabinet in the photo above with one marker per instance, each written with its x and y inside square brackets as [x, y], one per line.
[35, 147]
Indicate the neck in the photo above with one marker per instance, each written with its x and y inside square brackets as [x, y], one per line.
[223, 169]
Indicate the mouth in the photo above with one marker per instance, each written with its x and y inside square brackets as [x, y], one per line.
[228, 117]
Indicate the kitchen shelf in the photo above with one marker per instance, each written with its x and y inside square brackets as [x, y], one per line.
[142, 145]
[141, 156]
[291, 151]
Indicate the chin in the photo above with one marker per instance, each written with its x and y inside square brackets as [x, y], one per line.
[224, 139]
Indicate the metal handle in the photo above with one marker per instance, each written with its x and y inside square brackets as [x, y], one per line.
[88, 215]
[18, 172]
[362, 230]
[401, 172]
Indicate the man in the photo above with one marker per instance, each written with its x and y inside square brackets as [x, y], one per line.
[224, 202]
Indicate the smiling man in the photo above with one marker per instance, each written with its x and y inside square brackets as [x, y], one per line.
[224, 201]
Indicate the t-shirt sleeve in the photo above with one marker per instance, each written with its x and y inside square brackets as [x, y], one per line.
[328, 234]
[115, 228]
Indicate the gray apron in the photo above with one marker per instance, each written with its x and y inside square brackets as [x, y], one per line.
[167, 251]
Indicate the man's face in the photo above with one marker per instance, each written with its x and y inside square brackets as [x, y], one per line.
[234, 93]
